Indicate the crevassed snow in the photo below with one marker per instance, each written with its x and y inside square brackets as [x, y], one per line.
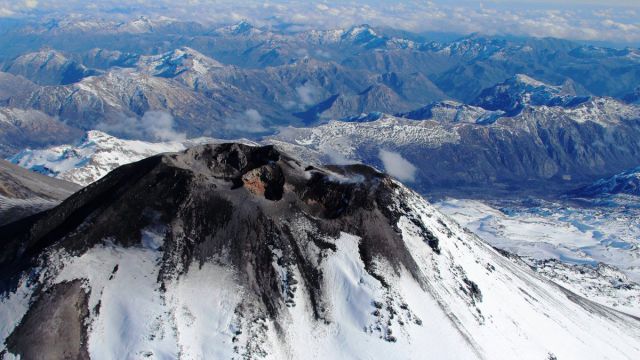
[578, 235]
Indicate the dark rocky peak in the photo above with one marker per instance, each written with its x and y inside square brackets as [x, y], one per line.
[228, 201]
[241, 165]
[252, 245]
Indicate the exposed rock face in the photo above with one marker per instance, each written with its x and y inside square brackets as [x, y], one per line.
[54, 327]
[266, 181]
[233, 251]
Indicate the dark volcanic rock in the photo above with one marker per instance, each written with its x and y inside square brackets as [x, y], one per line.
[54, 327]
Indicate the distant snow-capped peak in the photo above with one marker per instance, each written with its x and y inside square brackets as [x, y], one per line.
[241, 28]
[96, 154]
[175, 62]
[91, 158]
[449, 111]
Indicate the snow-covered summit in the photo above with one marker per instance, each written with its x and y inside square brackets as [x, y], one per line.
[174, 63]
[449, 111]
[90, 158]
[360, 34]
[241, 28]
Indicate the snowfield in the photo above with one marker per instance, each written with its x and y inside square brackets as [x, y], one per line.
[592, 250]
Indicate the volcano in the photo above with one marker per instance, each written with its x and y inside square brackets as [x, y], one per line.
[235, 251]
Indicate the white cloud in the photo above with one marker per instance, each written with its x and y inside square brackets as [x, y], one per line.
[153, 126]
[397, 166]
[337, 151]
[161, 126]
[308, 94]
[249, 121]
[4, 12]
[31, 4]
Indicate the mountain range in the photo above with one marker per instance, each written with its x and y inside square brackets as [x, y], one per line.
[529, 133]
[176, 189]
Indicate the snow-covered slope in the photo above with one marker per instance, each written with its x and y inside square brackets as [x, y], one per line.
[21, 128]
[453, 112]
[191, 65]
[346, 138]
[245, 252]
[48, 67]
[555, 145]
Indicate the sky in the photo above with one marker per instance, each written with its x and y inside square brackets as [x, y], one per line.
[593, 20]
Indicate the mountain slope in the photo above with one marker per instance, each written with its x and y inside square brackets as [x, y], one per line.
[592, 250]
[22, 128]
[95, 155]
[238, 251]
[48, 67]
[23, 193]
